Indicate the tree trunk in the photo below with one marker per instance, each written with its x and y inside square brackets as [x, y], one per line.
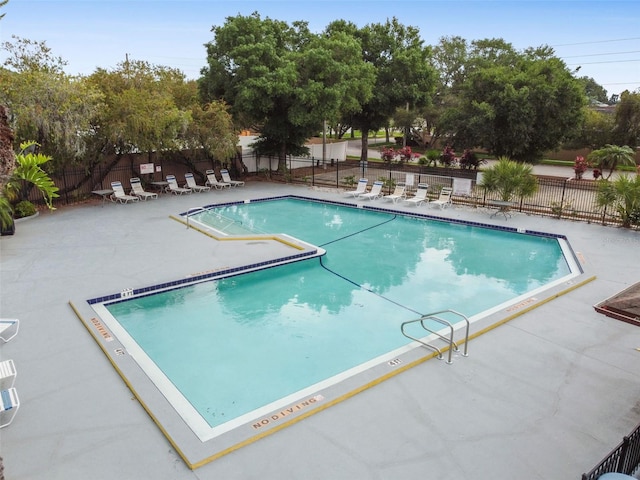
[282, 158]
[364, 142]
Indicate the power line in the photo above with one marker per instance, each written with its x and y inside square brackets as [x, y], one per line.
[596, 41]
[601, 54]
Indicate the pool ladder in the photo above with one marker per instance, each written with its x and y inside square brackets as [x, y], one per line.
[449, 339]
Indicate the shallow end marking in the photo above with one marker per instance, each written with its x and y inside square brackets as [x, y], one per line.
[318, 409]
[130, 387]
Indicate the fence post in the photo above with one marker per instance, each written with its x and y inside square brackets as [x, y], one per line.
[622, 459]
[64, 182]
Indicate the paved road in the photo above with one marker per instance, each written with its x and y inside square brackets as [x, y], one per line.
[353, 149]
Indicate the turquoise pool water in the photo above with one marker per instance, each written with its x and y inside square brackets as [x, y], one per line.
[234, 345]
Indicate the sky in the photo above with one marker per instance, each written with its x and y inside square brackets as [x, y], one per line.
[602, 38]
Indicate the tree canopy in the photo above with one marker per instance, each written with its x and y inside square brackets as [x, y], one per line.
[283, 80]
[515, 104]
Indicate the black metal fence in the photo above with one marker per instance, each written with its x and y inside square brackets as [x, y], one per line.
[625, 458]
[556, 197]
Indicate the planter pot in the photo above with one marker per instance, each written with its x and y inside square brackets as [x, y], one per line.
[9, 230]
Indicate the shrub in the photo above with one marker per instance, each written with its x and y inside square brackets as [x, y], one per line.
[24, 209]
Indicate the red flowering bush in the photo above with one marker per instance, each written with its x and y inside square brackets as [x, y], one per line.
[448, 157]
[387, 154]
[406, 154]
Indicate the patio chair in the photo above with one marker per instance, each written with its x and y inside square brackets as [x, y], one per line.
[9, 404]
[226, 178]
[191, 183]
[445, 197]
[420, 197]
[138, 191]
[212, 181]
[399, 193]
[7, 374]
[119, 194]
[174, 187]
[376, 191]
[8, 328]
[361, 188]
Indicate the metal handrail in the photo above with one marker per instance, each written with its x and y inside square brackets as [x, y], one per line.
[452, 344]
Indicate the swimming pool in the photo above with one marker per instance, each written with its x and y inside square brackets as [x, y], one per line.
[290, 331]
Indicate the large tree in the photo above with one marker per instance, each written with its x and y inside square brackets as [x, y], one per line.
[283, 80]
[404, 76]
[627, 122]
[516, 104]
[47, 105]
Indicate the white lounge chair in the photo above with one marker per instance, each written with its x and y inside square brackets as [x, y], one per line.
[445, 197]
[8, 328]
[212, 181]
[399, 193]
[7, 374]
[9, 404]
[421, 195]
[361, 188]
[119, 194]
[191, 183]
[137, 190]
[226, 178]
[174, 187]
[376, 191]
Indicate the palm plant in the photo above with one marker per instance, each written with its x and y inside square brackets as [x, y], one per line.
[28, 172]
[610, 156]
[509, 179]
[623, 194]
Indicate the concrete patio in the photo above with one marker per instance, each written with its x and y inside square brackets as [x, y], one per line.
[544, 396]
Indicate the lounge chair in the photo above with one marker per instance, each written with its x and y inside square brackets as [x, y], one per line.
[138, 191]
[212, 181]
[9, 404]
[119, 195]
[191, 183]
[226, 178]
[361, 188]
[7, 374]
[421, 195]
[376, 191]
[8, 328]
[445, 197]
[398, 193]
[174, 187]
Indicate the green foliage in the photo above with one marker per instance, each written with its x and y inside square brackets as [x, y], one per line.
[627, 122]
[515, 104]
[283, 79]
[349, 180]
[403, 72]
[610, 156]
[623, 195]
[510, 180]
[24, 209]
[28, 171]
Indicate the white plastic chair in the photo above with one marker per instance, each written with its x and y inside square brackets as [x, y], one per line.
[213, 181]
[174, 187]
[421, 195]
[9, 404]
[361, 188]
[138, 191]
[376, 191]
[119, 195]
[398, 193]
[8, 328]
[7, 374]
[226, 178]
[191, 183]
[445, 197]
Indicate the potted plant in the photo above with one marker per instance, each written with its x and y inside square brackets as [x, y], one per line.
[27, 172]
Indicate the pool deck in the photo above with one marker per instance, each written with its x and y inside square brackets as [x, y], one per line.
[545, 395]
